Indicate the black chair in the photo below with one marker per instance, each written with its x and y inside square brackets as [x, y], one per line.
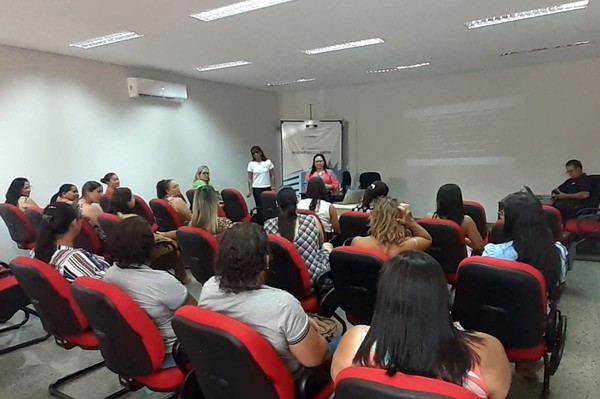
[235, 205]
[166, 216]
[105, 202]
[366, 178]
[448, 245]
[477, 212]
[34, 214]
[20, 230]
[346, 181]
[269, 208]
[353, 224]
[199, 250]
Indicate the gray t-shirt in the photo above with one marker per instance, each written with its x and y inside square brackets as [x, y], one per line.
[157, 292]
[273, 313]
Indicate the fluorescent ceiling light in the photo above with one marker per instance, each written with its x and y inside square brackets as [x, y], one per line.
[539, 12]
[222, 66]
[399, 68]
[236, 8]
[303, 80]
[108, 39]
[345, 46]
[535, 50]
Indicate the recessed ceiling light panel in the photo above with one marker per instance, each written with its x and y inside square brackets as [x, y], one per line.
[303, 80]
[222, 66]
[399, 68]
[535, 50]
[539, 12]
[105, 40]
[236, 8]
[345, 46]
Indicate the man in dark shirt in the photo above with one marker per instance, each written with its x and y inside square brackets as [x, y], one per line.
[574, 193]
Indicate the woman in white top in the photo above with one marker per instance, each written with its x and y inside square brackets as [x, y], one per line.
[260, 174]
[316, 193]
[18, 194]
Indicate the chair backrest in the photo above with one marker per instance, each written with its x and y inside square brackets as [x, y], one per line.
[594, 200]
[365, 382]
[199, 250]
[129, 340]
[19, 228]
[366, 178]
[34, 214]
[355, 273]
[105, 202]
[234, 205]
[554, 221]
[166, 216]
[353, 224]
[496, 234]
[107, 222]
[448, 245]
[230, 359]
[269, 207]
[504, 298]
[346, 181]
[50, 294]
[142, 209]
[190, 196]
[88, 239]
[287, 270]
[477, 212]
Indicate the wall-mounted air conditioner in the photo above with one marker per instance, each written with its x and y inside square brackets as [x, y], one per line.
[148, 88]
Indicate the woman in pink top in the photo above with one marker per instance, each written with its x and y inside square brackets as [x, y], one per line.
[320, 169]
[412, 332]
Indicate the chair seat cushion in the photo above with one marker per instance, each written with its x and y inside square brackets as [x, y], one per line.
[85, 340]
[167, 380]
[310, 303]
[526, 354]
[582, 227]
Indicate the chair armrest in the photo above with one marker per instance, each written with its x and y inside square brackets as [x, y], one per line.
[323, 284]
[181, 357]
[313, 380]
[588, 212]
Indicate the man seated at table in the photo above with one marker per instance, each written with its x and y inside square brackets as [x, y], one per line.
[574, 193]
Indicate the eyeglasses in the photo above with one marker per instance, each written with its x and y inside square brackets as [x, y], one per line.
[205, 173]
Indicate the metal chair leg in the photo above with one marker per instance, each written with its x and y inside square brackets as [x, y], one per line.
[53, 389]
[546, 386]
[15, 326]
[22, 344]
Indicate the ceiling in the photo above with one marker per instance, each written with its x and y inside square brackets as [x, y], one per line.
[272, 38]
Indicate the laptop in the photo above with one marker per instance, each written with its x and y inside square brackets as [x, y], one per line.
[352, 197]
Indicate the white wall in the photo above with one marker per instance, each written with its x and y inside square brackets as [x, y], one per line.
[67, 120]
[490, 132]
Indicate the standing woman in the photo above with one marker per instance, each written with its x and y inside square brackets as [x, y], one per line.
[320, 169]
[112, 183]
[260, 174]
[18, 194]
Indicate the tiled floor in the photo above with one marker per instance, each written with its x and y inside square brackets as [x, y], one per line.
[26, 373]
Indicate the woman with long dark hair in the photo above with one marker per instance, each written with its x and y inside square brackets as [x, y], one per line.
[449, 206]
[316, 201]
[67, 193]
[112, 183]
[260, 175]
[168, 190]
[18, 194]
[412, 332]
[54, 244]
[320, 169]
[303, 230]
[375, 191]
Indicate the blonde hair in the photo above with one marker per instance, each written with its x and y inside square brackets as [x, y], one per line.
[204, 209]
[199, 171]
[384, 223]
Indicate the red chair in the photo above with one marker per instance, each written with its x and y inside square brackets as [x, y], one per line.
[142, 209]
[366, 382]
[366, 178]
[235, 206]
[252, 368]
[12, 301]
[289, 272]
[19, 228]
[269, 209]
[477, 212]
[448, 245]
[107, 222]
[34, 214]
[61, 317]
[88, 239]
[129, 340]
[554, 221]
[166, 216]
[353, 224]
[199, 250]
[508, 299]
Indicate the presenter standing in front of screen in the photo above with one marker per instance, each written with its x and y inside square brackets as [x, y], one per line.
[260, 175]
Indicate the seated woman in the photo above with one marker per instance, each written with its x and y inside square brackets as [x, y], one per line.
[67, 193]
[169, 191]
[204, 211]
[91, 192]
[375, 191]
[54, 244]
[237, 290]
[18, 194]
[412, 332]
[527, 239]
[303, 230]
[202, 177]
[112, 183]
[316, 195]
[449, 206]
[393, 230]
[320, 169]
[157, 292]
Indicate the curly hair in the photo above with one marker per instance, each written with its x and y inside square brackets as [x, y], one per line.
[130, 242]
[242, 258]
[384, 225]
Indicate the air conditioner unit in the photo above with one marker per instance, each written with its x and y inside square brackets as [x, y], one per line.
[148, 88]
